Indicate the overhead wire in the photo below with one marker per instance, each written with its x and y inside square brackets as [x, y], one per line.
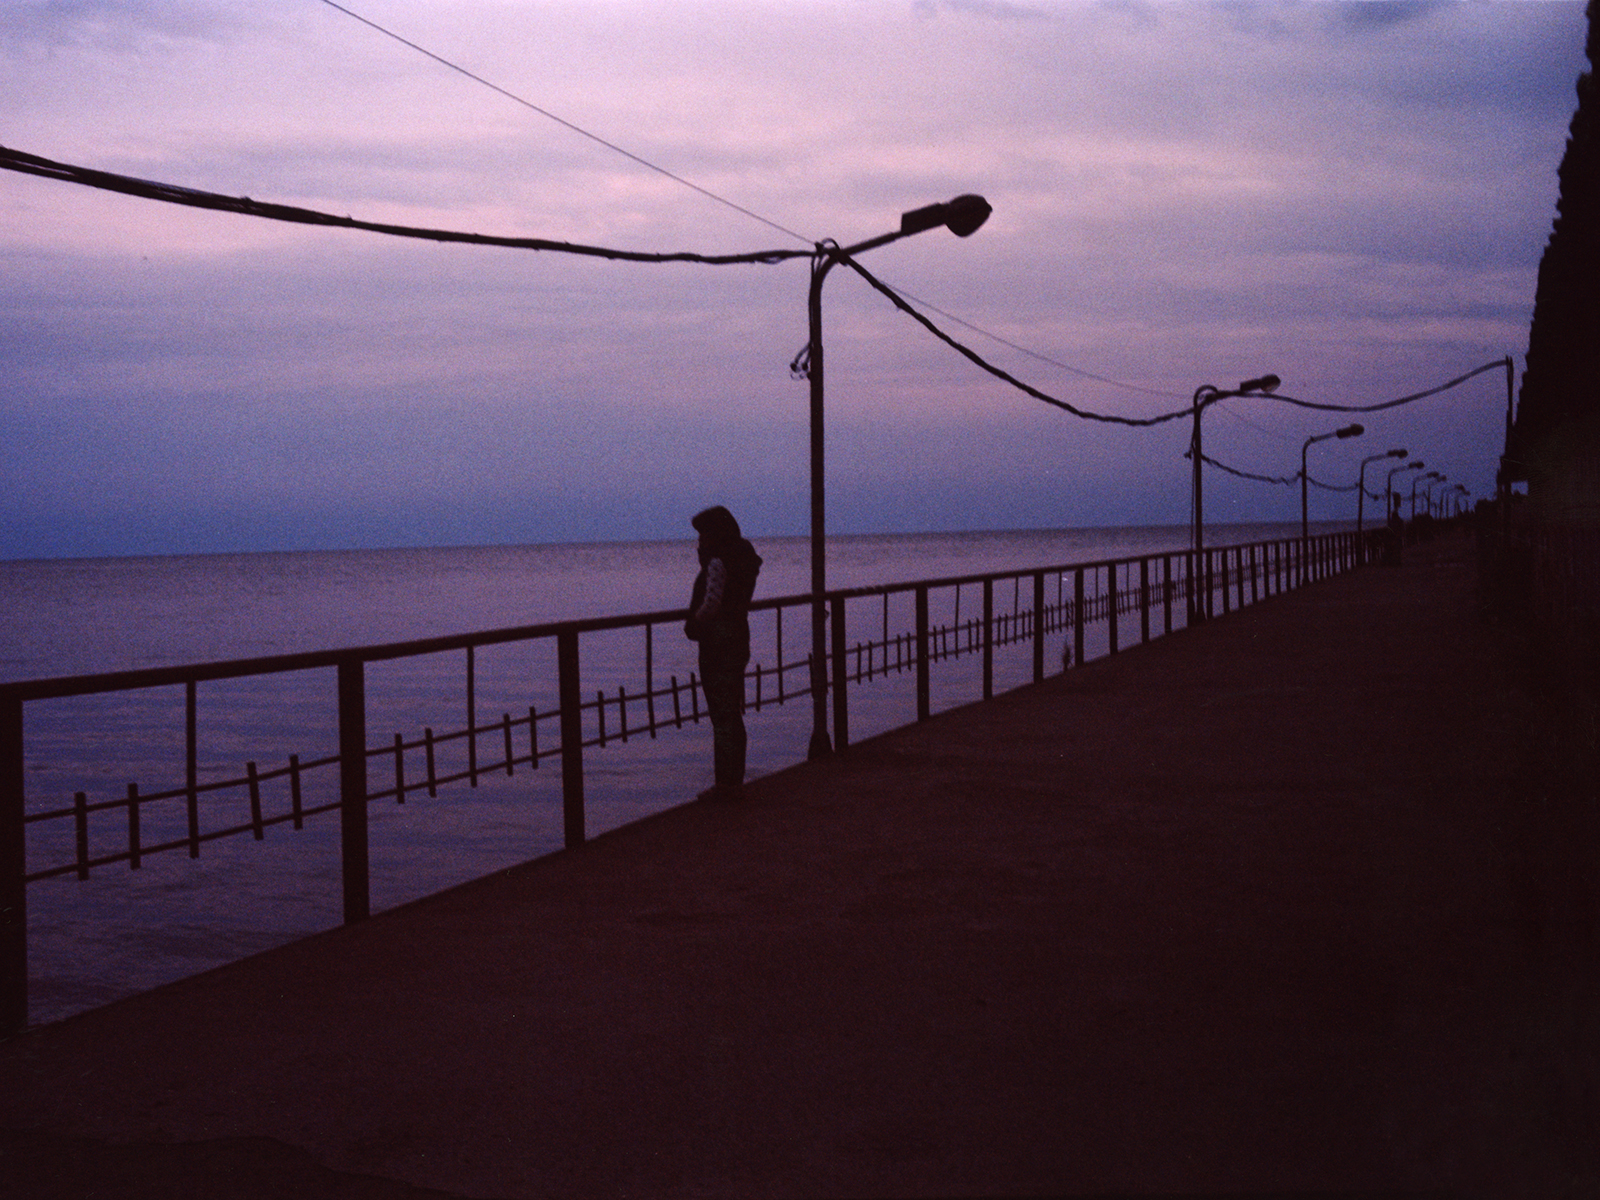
[999, 373]
[562, 121]
[1284, 479]
[904, 306]
[1498, 364]
[32, 164]
[688, 183]
[1044, 358]
[16, 160]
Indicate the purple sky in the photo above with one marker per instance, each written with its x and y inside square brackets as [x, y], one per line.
[1354, 196]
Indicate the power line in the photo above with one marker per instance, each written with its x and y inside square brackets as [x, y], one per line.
[632, 157]
[1044, 358]
[1086, 414]
[901, 303]
[562, 121]
[31, 164]
[755, 216]
[1284, 479]
[1499, 364]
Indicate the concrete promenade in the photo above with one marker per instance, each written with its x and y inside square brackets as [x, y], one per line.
[1286, 905]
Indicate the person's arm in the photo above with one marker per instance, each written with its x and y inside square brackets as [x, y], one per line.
[716, 585]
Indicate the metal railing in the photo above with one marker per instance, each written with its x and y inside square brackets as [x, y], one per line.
[1165, 591]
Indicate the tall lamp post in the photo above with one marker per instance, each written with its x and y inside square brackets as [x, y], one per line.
[1414, 482]
[962, 217]
[1349, 431]
[1207, 394]
[1388, 487]
[1427, 494]
[1361, 483]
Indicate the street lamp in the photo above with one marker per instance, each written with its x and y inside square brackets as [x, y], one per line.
[1427, 493]
[1414, 482]
[1349, 431]
[1388, 487]
[1204, 395]
[962, 217]
[1361, 483]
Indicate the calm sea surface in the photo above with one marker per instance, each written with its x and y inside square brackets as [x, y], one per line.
[123, 931]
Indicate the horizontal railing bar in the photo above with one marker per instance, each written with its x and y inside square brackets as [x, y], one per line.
[180, 793]
[61, 687]
[180, 843]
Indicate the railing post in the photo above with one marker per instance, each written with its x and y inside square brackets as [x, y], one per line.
[841, 678]
[924, 702]
[472, 717]
[191, 770]
[1166, 591]
[571, 736]
[1227, 602]
[1077, 608]
[1210, 585]
[1039, 624]
[353, 787]
[13, 867]
[1111, 608]
[1144, 599]
[988, 639]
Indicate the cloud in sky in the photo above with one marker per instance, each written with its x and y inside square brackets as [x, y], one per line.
[1352, 195]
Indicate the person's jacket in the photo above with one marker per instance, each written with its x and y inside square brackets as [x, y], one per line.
[719, 607]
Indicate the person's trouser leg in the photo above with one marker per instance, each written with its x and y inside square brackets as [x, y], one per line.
[722, 678]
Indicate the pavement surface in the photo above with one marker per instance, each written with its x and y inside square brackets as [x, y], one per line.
[1296, 903]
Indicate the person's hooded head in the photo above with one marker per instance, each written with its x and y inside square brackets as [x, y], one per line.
[720, 537]
[717, 529]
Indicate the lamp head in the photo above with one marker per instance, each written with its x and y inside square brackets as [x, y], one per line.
[1262, 383]
[1398, 453]
[1350, 431]
[962, 216]
[1414, 466]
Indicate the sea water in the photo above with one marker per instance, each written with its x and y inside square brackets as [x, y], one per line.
[122, 930]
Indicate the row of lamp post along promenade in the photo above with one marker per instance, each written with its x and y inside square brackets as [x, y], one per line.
[1263, 385]
[963, 216]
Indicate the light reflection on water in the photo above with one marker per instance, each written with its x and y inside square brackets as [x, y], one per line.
[124, 931]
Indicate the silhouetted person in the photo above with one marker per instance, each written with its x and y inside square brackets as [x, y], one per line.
[1395, 534]
[719, 620]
